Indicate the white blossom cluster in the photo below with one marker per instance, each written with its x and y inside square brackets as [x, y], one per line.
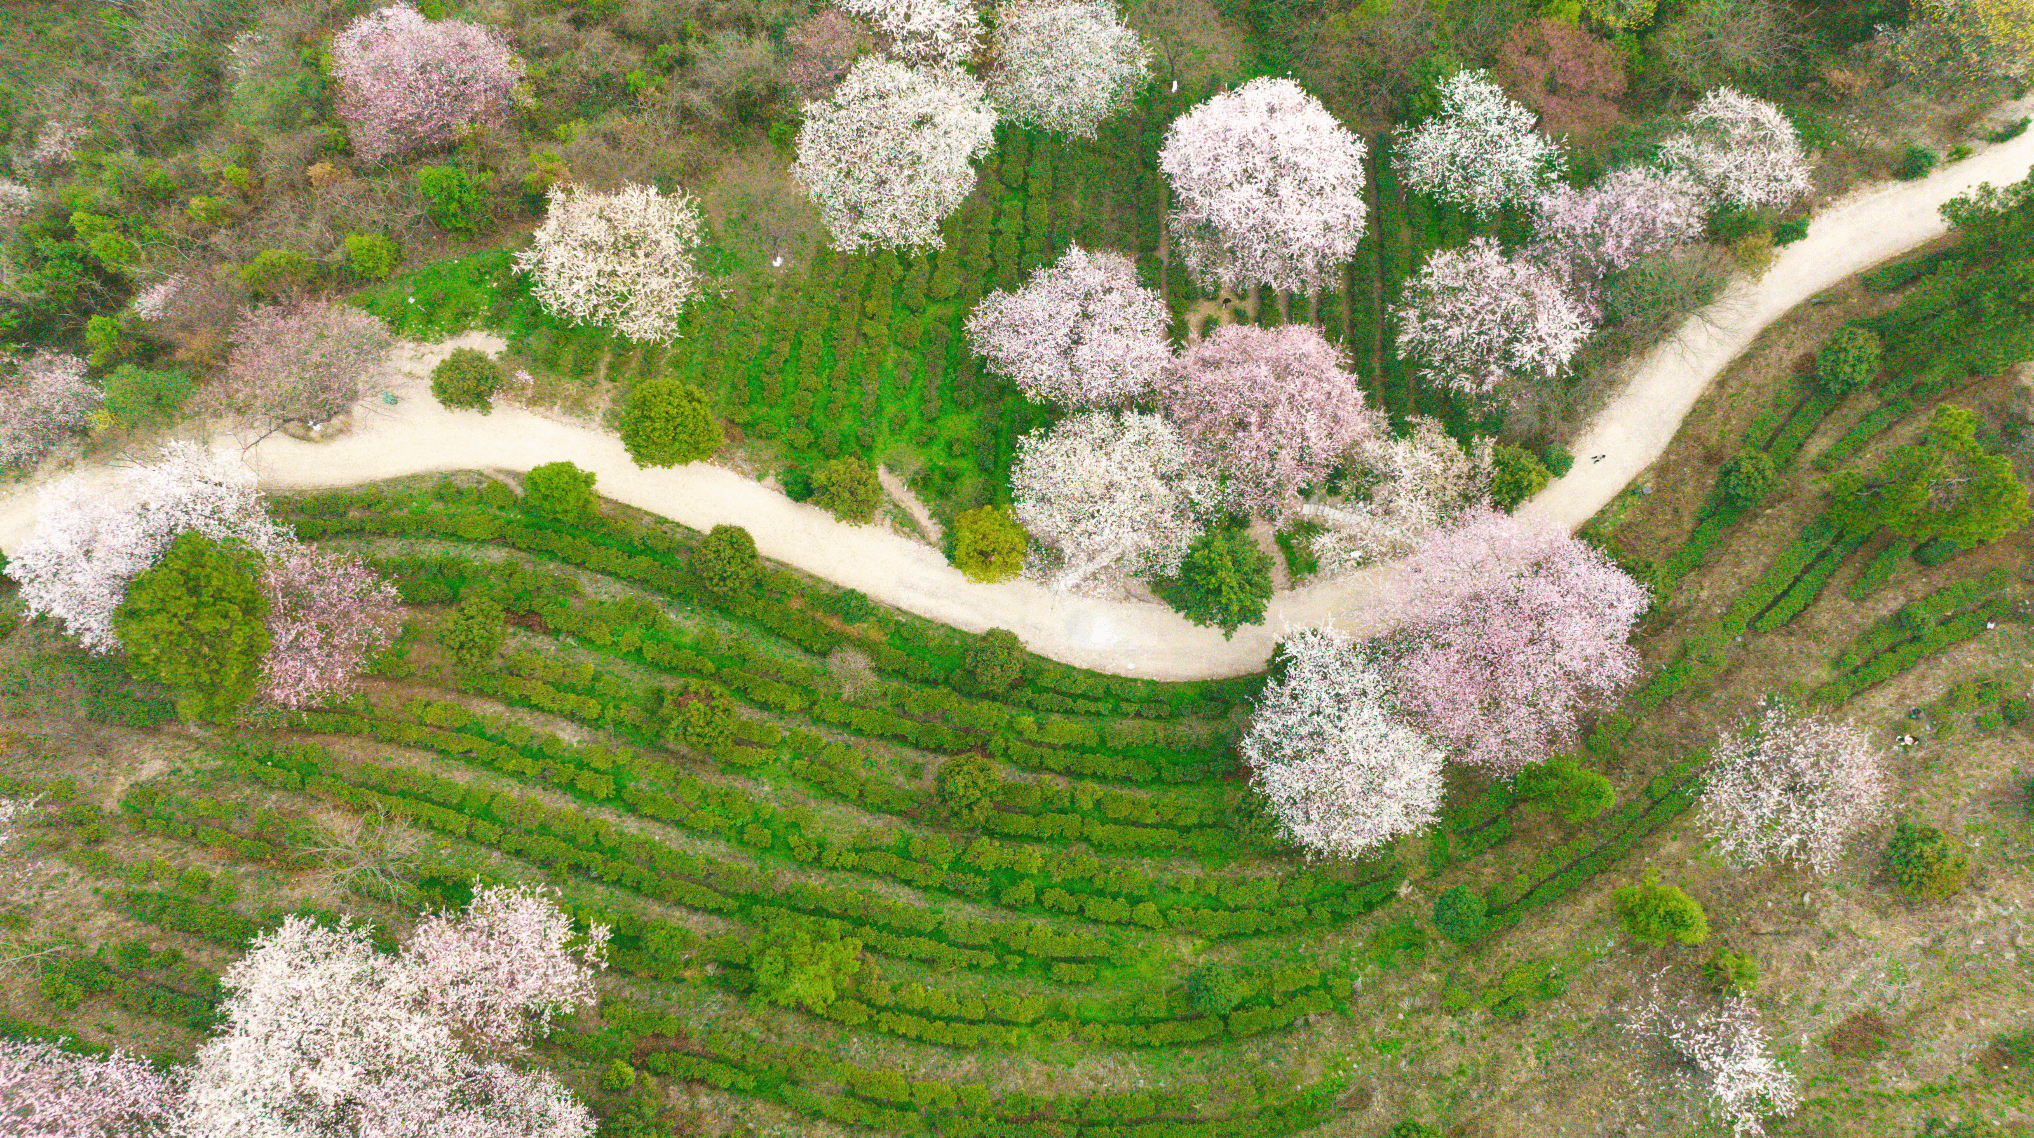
[923, 31]
[627, 259]
[1110, 496]
[15, 199]
[1788, 786]
[1080, 333]
[1475, 318]
[1419, 483]
[1481, 150]
[153, 302]
[1065, 65]
[1746, 1081]
[1741, 149]
[1342, 770]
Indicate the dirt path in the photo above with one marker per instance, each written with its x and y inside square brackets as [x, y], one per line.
[1125, 637]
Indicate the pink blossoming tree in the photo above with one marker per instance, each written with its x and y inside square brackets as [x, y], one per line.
[1065, 65]
[503, 967]
[890, 153]
[406, 82]
[47, 1092]
[1342, 771]
[1081, 333]
[1267, 188]
[922, 31]
[1272, 409]
[1481, 150]
[1408, 487]
[1109, 496]
[308, 363]
[327, 615]
[44, 400]
[1632, 214]
[1510, 632]
[1475, 319]
[1791, 787]
[1741, 149]
[627, 259]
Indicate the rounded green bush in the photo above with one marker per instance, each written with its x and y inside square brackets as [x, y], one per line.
[1915, 162]
[988, 544]
[1516, 474]
[1733, 973]
[1411, 1129]
[1926, 862]
[1215, 989]
[372, 257]
[1655, 914]
[726, 561]
[145, 397]
[994, 663]
[561, 492]
[1459, 914]
[847, 487]
[1848, 360]
[467, 379]
[669, 422]
[1746, 478]
[965, 788]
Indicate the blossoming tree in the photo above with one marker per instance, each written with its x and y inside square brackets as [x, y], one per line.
[1741, 149]
[889, 154]
[1080, 333]
[406, 82]
[327, 615]
[1342, 770]
[1476, 319]
[922, 31]
[1112, 496]
[1791, 787]
[1510, 632]
[1272, 409]
[1633, 213]
[307, 363]
[1064, 65]
[1267, 188]
[1746, 1081]
[1410, 486]
[44, 399]
[47, 1092]
[627, 259]
[1481, 150]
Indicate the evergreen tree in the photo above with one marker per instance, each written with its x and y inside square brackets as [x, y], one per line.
[196, 622]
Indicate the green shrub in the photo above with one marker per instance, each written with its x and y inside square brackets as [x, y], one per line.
[453, 198]
[560, 492]
[2009, 131]
[1556, 459]
[852, 606]
[467, 379]
[1915, 162]
[988, 544]
[1733, 973]
[1654, 913]
[1848, 360]
[1566, 787]
[965, 789]
[1412, 1129]
[1790, 231]
[145, 397]
[726, 562]
[473, 632]
[1215, 989]
[1459, 914]
[1516, 475]
[993, 664]
[279, 273]
[1927, 863]
[371, 256]
[618, 1077]
[796, 967]
[1746, 478]
[847, 487]
[195, 622]
[1223, 582]
[669, 422]
[708, 723]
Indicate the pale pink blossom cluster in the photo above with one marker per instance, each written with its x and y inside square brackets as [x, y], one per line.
[1065, 65]
[406, 82]
[1475, 319]
[890, 153]
[1742, 150]
[1267, 188]
[57, 142]
[154, 301]
[48, 1092]
[1789, 786]
[1745, 1080]
[1080, 333]
[15, 199]
[1341, 768]
[1271, 409]
[1415, 485]
[922, 31]
[627, 259]
[1482, 149]
[327, 1038]
[44, 400]
[1510, 631]
[327, 615]
[307, 363]
[1632, 214]
[1111, 496]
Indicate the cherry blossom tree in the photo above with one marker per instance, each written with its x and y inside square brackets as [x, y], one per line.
[922, 31]
[1632, 214]
[822, 48]
[307, 363]
[1741, 149]
[15, 199]
[47, 1092]
[1342, 771]
[1112, 496]
[90, 539]
[627, 259]
[153, 302]
[1410, 486]
[1065, 65]
[503, 967]
[1271, 409]
[1267, 188]
[1080, 333]
[888, 155]
[1475, 319]
[1745, 1080]
[1509, 632]
[44, 400]
[1481, 149]
[327, 614]
[1791, 787]
[406, 82]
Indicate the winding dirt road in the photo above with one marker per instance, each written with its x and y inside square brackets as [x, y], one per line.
[417, 435]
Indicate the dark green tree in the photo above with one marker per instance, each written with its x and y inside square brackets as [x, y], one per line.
[705, 723]
[473, 632]
[1223, 582]
[965, 788]
[1566, 787]
[726, 562]
[1746, 478]
[1945, 485]
[1848, 359]
[1733, 973]
[1411, 1129]
[1926, 862]
[467, 379]
[848, 487]
[1654, 913]
[197, 622]
[1459, 913]
[669, 422]
[1215, 988]
[1516, 474]
[561, 492]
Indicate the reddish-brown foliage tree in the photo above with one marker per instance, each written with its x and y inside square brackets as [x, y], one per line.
[1570, 77]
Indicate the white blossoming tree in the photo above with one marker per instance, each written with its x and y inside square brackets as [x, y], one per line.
[1080, 333]
[44, 399]
[1481, 150]
[890, 153]
[1791, 787]
[1111, 496]
[47, 1092]
[1633, 213]
[1746, 1081]
[627, 259]
[1411, 486]
[1475, 319]
[941, 31]
[1065, 65]
[1342, 771]
[1267, 188]
[1741, 149]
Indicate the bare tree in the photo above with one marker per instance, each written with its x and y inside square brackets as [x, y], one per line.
[373, 853]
